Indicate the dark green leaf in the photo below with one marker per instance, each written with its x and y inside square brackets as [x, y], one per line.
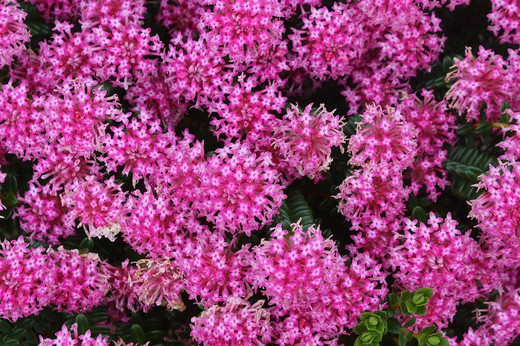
[394, 326]
[137, 334]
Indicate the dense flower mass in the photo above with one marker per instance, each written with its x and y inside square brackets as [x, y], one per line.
[315, 295]
[65, 337]
[305, 139]
[236, 322]
[439, 256]
[174, 172]
[13, 32]
[496, 211]
[504, 17]
[33, 278]
[479, 81]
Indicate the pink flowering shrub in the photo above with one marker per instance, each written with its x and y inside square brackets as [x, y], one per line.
[505, 20]
[450, 263]
[305, 139]
[13, 32]
[311, 288]
[287, 172]
[478, 81]
[244, 323]
[33, 278]
[66, 338]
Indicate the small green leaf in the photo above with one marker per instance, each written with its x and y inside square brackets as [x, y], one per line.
[419, 214]
[394, 326]
[484, 129]
[465, 129]
[12, 342]
[410, 307]
[428, 330]
[137, 334]
[360, 329]
[505, 105]
[447, 64]
[103, 330]
[393, 298]
[421, 310]
[409, 336]
[5, 328]
[410, 322]
[83, 324]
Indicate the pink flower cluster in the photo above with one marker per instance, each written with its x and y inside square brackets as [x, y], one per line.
[439, 256]
[32, 278]
[496, 211]
[305, 138]
[65, 338]
[487, 79]
[436, 133]
[373, 197]
[13, 32]
[505, 18]
[313, 293]
[498, 321]
[237, 322]
[103, 111]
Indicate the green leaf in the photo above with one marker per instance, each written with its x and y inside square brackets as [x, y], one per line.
[447, 64]
[393, 298]
[428, 330]
[465, 164]
[295, 209]
[465, 129]
[484, 129]
[410, 322]
[360, 329]
[421, 310]
[5, 328]
[103, 330]
[83, 324]
[505, 105]
[11, 342]
[410, 307]
[137, 334]
[419, 214]
[409, 336]
[402, 340]
[394, 326]
[19, 332]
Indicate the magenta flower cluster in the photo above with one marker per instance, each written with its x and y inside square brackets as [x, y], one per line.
[99, 108]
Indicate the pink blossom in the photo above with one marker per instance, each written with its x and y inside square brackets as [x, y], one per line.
[236, 322]
[61, 10]
[436, 130]
[305, 139]
[309, 284]
[242, 189]
[157, 282]
[214, 271]
[369, 194]
[65, 338]
[500, 322]
[437, 255]
[505, 20]
[477, 81]
[13, 32]
[249, 33]
[33, 278]
[451, 4]
[43, 216]
[496, 211]
[180, 16]
[384, 136]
